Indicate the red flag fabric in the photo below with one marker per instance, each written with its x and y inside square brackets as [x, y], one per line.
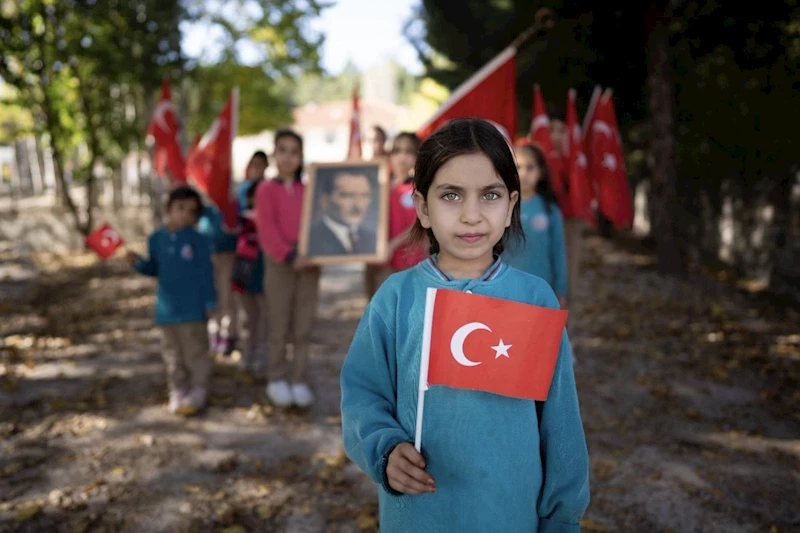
[493, 345]
[168, 156]
[490, 94]
[354, 147]
[580, 188]
[104, 241]
[607, 166]
[540, 134]
[209, 163]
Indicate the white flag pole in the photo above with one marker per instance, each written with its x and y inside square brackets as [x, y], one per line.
[587, 119]
[423, 364]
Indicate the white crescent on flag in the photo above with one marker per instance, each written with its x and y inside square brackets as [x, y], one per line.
[159, 116]
[109, 238]
[212, 133]
[601, 126]
[457, 342]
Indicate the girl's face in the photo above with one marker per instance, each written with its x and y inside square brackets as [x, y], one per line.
[529, 171]
[403, 157]
[468, 208]
[288, 157]
[255, 169]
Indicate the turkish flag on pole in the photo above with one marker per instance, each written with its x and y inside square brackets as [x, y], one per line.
[488, 344]
[104, 241]
[209, 163]
[607, 168]
[580, 188]
[354, 148]
[168, 156]
[490, 94]
[540, 134]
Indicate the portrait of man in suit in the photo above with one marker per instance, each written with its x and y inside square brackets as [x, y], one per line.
[340, 226]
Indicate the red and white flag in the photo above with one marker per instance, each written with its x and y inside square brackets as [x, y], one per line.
[168, 156]
[580, 188]
[209, 164]
[104, 241]
[607, 165]
[540, 135]
[490, 94]
[354, 147]
[488, 344]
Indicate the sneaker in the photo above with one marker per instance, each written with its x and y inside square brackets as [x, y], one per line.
[227, 345]
[302, 395]
[177, 399]
[279, 394]
[196, 399]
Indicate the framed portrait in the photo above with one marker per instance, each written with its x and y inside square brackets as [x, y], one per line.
[345, 213]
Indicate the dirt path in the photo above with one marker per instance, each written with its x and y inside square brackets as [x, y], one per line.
[689, 394]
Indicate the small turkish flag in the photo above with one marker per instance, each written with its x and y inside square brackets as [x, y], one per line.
[493, 345]
[354, 147]
[104, 240]
[580, 188]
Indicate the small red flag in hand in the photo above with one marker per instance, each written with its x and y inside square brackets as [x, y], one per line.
[104, 240]
[493, 345]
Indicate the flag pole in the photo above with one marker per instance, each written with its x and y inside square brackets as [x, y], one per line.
[587, 119]
[423, 364]
[542, 20]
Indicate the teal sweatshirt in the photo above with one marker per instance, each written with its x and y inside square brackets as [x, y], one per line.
[182, 263]
[544, 253]
[500, 464]
[210, 226]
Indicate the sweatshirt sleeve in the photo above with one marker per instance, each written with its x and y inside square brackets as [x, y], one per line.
[149, 266]
[559, 251]
[369, 398]
[269, 237]
[565, 459]
[206, 274]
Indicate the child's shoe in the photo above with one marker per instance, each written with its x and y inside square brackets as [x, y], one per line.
[279, 394]
[177, 399]
[197, 399]
[226, 345]
[302, 395]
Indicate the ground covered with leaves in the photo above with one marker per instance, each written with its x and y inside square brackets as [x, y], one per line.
[689, 393]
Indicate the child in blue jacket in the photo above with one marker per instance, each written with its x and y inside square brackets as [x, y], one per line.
[178, 256]
[488, 463]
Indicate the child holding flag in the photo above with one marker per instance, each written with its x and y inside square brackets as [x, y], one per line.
[290, 283]
[178, 256]
[489, 462]
[544, 253]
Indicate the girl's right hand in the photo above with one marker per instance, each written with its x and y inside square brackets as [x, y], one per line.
[132, 257]
[405, 471]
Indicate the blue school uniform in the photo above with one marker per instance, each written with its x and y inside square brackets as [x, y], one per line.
[182, 263]
[544, 251]
[210, 226]
[500, 464]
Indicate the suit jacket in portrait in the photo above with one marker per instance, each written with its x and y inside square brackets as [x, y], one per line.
[322, 241]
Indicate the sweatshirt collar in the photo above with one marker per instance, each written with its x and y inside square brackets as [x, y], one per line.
[431, 265]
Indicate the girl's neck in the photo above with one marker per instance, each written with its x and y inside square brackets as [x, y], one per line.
[527, 195]
[174, 228]
[465, 268]
[286, 179]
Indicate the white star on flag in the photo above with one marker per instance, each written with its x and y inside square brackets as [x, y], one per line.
[610, 162]
[501, 350]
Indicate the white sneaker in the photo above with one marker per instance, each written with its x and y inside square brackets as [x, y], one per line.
[177, 399]
[279, 394]
[302, 395]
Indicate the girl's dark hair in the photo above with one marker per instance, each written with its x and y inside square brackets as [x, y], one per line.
[408, 135]
[291, 134]
[543, 187]
[184, 192]
[260, 154]
[466, 136]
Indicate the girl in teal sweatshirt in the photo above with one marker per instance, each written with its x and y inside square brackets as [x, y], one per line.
[489, 462]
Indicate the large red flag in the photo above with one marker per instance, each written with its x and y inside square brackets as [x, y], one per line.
[104, 241]
[168, 156]
[580, 188]
[607, 168]
[354, 147]
[209, 163]
[493, 345]
[490, 94]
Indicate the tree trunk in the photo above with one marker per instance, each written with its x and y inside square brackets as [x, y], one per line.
[94, 154]
[662, 146]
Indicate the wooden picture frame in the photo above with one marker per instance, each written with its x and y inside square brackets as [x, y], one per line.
[345, 218]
